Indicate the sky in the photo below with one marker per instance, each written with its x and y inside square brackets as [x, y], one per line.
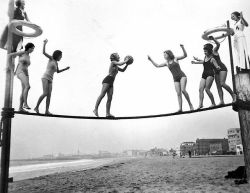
[87, 32]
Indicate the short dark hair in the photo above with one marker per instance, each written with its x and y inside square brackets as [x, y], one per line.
[208, 47]
[170, 54]
[236, 13]
[114, 57]
[18, 3]
[28, 46]
[57, 54]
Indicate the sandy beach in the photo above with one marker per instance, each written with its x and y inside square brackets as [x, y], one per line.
[154, 174]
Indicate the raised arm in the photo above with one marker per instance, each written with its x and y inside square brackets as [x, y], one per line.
[44, 47]
[184, 53]
[14, 54]
[120, 63]
[216, 43]
[123, 69]
[243, 21]
[26, 16]
[155, 64]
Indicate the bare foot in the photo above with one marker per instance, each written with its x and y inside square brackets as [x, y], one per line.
[22, 110]
[48, 113]
[36, 110]
[26, 107]
[221, 103]
[96, 113]
[110, 116]
[213, 105]
[191, 108]
[200, 107]
[179, 111]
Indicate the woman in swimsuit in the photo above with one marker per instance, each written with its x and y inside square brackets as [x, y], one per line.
[209, 63]
[180, 79]
[107, 83]
[47, 77]
[220, 75]
[23, 74]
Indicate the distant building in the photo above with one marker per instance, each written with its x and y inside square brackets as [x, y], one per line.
[211, 146]
[134, 153]
[185, 147]
[234, 138]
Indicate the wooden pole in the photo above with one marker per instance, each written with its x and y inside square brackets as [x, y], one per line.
[6, 132]
[242, 80]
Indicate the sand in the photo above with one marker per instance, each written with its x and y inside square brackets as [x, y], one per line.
[154, 174]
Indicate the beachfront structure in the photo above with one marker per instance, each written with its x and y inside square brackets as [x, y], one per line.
[211, 146]
[185, 147]
[234, 139]
[134, 153]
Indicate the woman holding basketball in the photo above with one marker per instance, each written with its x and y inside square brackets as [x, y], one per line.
[180, 79]
[107, 83]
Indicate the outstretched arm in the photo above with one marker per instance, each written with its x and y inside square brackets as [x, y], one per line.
[196, 62]
[216, 43]
[44, 47]
[184, 53]
[123, 69]
[243, 21]
[155, 64]
[59, 71]
[14, 54]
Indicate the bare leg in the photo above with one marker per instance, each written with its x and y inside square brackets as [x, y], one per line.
[209, 82]
[201, 92]
[25, 90]
[185, 93]
[21, 98]
[109, 100]
[178, 92]
[223, 77]
[219, 88]
[105, 87]
[45, 84]
[48, 98]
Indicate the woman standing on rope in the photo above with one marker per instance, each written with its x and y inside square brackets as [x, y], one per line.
[22, 73]
[107, 83]
[207, 78]
[220, 75]
[180, 79]
[47, 77]
[19, 14]
[240, 43]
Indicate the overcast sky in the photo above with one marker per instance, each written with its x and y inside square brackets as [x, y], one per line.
[88, 31]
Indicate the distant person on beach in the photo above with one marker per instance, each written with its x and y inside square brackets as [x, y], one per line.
[19, 14]
[209, 63]
[220, 75]
[180, 79]
[107, 83]
[47, 78]
[23, 74]
[189, 153]
[240, 43]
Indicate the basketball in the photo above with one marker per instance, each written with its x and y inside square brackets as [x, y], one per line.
[130, 59]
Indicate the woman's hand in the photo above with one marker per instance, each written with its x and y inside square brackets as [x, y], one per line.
[149, 58]
[45, 41]
[181, 45]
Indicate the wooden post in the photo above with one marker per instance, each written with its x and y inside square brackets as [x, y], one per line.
[6, 132]
[242, 81]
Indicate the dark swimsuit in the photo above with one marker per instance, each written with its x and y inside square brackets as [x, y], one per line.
[208, 69]
[109, 80]
[220, 63]
[176, 71]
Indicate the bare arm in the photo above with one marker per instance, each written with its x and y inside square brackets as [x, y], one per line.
[215, 64]
[16, 54]
[243, 21]
[196, 62]
[184, 53]
[197, 59]
[26, 16]
[155, 64]
[59, 71]
[120, 63]
[123, 69]
[44, 47]
[216, 43]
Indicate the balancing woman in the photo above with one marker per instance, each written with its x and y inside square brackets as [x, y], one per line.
[47, 77]
[107, 83]
[23, 74]
[240, 43]
[220, 75]
[209, 63]
[180, 79]
[19, 14]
